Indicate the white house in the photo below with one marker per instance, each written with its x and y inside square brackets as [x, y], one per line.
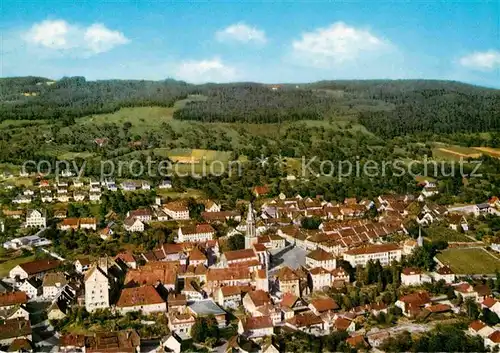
[172, 343]
[445, 273]
[133, 225]
[176, 210]
[385, 253]
[413, 277]
[321, 258]
[254, 327]
[97, 288]
[198, 233]
[320, 278]
[31, 287]
[35, 218]
[52, 284]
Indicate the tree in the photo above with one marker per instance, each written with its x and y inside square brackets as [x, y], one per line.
[311, 222]
[236, 242]
[471, 308]
[489, 317]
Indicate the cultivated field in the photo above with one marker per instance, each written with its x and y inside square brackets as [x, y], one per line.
[450, 152]
[469, 260]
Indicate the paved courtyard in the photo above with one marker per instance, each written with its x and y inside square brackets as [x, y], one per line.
[292, 256]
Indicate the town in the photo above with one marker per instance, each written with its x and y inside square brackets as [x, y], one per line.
[266, 276]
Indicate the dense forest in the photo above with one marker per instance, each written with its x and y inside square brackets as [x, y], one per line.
[386, 108]
[32, 98]
[253, 103]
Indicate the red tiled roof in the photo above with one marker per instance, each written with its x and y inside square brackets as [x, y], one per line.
[255, 323]
[38, 266]
[445, 270]
[324, 304]
[259, 297]
[495, 337]
[438, 308]
[13, 298]
[342, 323]
[416, 299]
[372, 249]
[477, 325]
[489, 302]
[145, 295]
[320, 255]
[407, 271]
[240, 254]
[226, 274]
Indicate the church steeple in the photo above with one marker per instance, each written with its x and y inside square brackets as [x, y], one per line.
[420, 239]
[250, 236]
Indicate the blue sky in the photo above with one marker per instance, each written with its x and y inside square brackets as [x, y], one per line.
[288, 41]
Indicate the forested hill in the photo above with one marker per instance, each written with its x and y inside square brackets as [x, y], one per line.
[387, 108]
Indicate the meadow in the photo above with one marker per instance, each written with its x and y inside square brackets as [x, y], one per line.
[469, 261]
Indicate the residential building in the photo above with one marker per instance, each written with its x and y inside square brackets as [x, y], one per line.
[144, 299]
[322, 305]
[10, 330]
[176, 210]
[255, 299]
[412, 304]
[255, 327]
[197, 233]
[53, 283]
[413, 277]
[35, 218]
[320, 278]
[31, 286]
[320, 258]
[133, 225]
[143, 214]
[97, 288]
[385, 253]
[289, 281]
[9, 300]
[88, 223]
[36, 268]
[444, 273]
[181, 323]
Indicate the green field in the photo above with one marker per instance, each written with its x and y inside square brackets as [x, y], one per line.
[446, 234]
[469, 260]
[141, 118]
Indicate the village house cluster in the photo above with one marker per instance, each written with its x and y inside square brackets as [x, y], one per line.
[197, 277]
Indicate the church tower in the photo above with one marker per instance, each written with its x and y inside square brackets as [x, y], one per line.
[420, 239]
[250, 236]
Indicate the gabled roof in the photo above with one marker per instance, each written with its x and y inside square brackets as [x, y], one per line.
[445, 270]
[287, 274]
[324, 304]
[145, 295]
[477, 325]
[259, 297]
[38, 266]
[255, 323]
[320, 255]
[13, 298]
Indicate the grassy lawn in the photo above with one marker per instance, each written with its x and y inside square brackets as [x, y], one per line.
[447, 234]
[469, 261]
[174, 195]
[142, 118]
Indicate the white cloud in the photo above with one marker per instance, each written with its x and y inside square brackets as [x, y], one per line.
[64, 37]
[100, 39]
[485, 61]
[213, 70]
[240, 32]
[337, 44]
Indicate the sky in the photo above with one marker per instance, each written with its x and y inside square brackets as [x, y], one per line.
[261, 41]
